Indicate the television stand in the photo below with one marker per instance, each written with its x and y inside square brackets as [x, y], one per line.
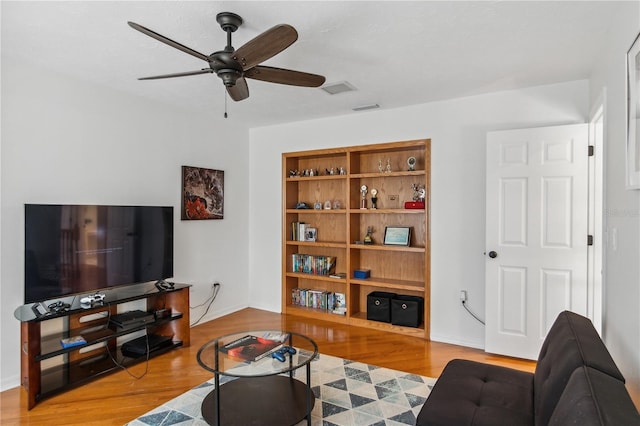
[73, 367]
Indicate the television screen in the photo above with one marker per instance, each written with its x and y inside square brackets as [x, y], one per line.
[83, 248]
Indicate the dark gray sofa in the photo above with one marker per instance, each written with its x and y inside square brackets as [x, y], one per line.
[576, 382]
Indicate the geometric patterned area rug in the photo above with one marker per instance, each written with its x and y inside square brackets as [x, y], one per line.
[348, 393]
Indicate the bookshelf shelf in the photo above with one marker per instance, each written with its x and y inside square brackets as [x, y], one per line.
[315, 313]
[403, 270]
[334, 244]
[381, 247]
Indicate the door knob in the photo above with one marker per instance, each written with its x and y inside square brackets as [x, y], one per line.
[493, 254]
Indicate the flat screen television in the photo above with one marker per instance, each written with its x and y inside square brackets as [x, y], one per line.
[71, 249]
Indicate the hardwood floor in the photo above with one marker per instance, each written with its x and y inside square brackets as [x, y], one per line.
[118, 398]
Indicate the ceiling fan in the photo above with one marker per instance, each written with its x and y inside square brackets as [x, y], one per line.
[233, 66]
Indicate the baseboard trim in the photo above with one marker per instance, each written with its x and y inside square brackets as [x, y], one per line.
[466, 343]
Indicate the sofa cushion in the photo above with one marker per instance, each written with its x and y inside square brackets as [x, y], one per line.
[593, 398]
[571, 342]
[476, 394]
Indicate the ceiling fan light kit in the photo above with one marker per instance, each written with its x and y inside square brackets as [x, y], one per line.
[233, 66]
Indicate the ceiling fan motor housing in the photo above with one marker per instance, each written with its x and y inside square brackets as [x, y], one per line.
[226, 67]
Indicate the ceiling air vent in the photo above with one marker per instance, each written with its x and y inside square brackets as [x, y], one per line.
[340, 87]
[365, 107]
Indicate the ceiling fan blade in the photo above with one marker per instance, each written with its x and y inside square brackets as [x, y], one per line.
[240, 91]
[179, 74]
[266, 45]
[168, 41]
[284, 76]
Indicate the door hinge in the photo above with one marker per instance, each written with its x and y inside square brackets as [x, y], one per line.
[591, 150]
[589, 240]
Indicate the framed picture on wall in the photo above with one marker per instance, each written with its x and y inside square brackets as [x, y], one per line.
[202, 193]
[633, 115]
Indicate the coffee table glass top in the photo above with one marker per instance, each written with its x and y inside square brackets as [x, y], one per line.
[257, 353]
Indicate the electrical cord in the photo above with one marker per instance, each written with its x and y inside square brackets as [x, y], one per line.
[471, 313]
[122, 366]
[209, 301]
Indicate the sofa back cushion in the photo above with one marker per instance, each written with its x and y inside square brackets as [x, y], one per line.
[593, 398]
[571, 342]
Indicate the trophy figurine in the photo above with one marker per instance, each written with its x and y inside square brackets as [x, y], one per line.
[411, 162]
[419, 193]
[374, 199]
[363, 202]
[367, 238]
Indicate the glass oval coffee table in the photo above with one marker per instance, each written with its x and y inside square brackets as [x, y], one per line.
[264, 390]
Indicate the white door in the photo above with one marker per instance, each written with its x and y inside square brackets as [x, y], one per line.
[536, 232]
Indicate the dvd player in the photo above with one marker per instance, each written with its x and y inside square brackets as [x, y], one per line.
[131, 319]
[138, 347]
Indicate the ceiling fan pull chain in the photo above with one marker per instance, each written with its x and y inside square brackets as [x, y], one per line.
[225, 104]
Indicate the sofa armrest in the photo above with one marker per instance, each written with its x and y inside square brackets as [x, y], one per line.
[593, 398]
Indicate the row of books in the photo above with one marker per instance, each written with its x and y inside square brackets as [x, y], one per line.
[312, 264]
[318, 299]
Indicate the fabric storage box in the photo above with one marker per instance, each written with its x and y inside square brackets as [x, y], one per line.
[407, 310]
[379, 306]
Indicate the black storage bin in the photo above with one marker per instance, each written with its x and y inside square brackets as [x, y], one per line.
[379, 306]
[407, 310]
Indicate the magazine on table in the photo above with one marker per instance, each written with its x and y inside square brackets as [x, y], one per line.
[253, 348]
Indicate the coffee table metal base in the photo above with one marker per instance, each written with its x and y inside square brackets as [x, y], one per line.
[270, 400]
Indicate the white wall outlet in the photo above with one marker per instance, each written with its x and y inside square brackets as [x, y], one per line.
[463, 295]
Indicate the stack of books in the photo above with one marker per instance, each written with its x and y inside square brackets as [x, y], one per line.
[298, 230]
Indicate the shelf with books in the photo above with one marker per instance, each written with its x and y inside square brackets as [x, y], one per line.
[397, 171]
[316, 313]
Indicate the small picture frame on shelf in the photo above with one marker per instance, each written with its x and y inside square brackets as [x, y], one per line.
[397, 235]
[310, 234]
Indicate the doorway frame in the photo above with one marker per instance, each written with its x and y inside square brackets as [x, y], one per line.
[597, 219]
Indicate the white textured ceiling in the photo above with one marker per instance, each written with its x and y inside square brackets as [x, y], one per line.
[394, 53]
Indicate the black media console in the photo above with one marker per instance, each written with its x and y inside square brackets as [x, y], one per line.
[166, 322]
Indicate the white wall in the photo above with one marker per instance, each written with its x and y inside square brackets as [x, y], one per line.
[621, 325]
[66, 141]
[457, 129]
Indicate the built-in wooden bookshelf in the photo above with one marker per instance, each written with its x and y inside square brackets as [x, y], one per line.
[335, 177]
